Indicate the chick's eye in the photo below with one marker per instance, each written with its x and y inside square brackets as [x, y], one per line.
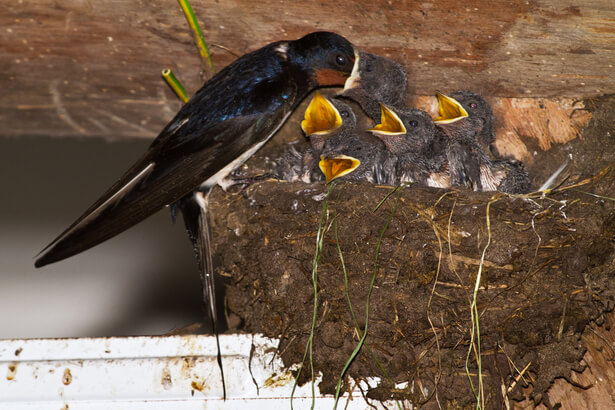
[369, 68]
[344, 114]
[340, 60]
[413, 123]
[473, 105]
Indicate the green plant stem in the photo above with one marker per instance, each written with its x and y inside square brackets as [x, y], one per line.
[475, 332]
[363, 336]
[198, 34]
[324, 216]
[175, 84]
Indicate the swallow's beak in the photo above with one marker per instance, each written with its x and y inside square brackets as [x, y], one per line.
[355, 76]
[321, 117]
[450, 110]
[337, 166]
[390, 123]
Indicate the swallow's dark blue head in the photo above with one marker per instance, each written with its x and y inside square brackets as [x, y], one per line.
[329, 58]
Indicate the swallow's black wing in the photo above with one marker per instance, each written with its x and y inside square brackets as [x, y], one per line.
[228, 119]
[166, 173]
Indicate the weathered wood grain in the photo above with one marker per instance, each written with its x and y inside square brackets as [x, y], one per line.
[92, 68]
[595, 386]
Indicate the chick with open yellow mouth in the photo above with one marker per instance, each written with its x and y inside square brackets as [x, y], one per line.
[511, 174]
[449, 110]
[343, 150]
[410, 134]
[465, 157]
[468, 130]
[479, 109]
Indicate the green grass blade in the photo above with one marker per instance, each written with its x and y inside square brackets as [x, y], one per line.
[322, 222]
[198, 34]
[386, 197]
[175, 85]
[475, 332]
[363, 336]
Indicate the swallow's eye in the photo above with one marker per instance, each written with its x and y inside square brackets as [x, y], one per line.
[414, 123]
[472, 105]
[340, 60]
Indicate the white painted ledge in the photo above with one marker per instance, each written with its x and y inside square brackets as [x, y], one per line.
[150, 372]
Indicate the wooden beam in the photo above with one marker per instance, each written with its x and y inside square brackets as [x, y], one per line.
[92, 68]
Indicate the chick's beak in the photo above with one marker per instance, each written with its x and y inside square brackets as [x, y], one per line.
[320, 117]
[450, 110]
[337, 166]
[390, 123]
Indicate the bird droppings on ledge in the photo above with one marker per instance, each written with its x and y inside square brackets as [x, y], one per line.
[67, 377]
[277, 380]
[11, 371]
[197, 385]
[167, 379]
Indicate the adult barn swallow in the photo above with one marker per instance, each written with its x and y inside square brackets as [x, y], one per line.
[220, 127]
[379, 80]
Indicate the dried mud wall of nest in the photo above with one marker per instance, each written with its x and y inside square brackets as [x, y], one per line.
[546, 262]
[547, 272]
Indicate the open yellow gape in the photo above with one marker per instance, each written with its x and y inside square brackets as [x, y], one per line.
[337, 166]
[320, 117]
[450, 110]
[390, 123]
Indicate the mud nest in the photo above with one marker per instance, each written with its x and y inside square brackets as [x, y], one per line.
[546, 265]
